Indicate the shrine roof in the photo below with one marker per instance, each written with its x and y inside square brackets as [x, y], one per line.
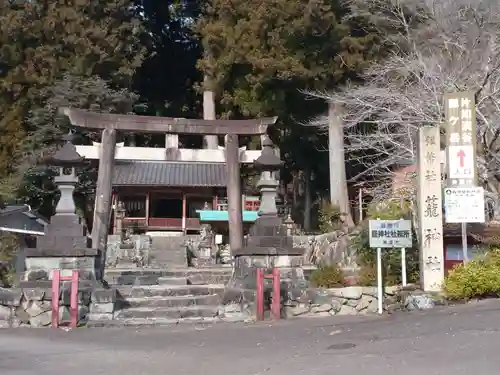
[159, 173]
[481, 233]
[20, 219]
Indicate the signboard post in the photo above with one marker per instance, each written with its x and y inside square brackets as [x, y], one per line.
[460, 111]
[430, 211]
[389, 234]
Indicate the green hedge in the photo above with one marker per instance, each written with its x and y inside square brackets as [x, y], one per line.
[327, 277]
[477, 278]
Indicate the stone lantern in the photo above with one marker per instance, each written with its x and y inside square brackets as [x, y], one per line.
[66, 159]
[290, 224]
[120, 215]
[65, 245]
[268, 243]
[268, 163]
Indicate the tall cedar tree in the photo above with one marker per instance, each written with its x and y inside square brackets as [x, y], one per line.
[260, 55]
[42, 39]
[167, 78]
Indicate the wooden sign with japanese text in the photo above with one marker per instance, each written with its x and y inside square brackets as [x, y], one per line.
[430, 207]
[460, 111]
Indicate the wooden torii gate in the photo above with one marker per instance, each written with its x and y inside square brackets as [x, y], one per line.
[110, 124]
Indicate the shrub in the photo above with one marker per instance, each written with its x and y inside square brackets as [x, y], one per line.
[327, 277]
[367, 275]
[478, 278]
[8, 249]
[330, 217]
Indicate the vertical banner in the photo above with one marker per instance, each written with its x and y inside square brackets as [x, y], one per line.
[460, 111]
[430, 209]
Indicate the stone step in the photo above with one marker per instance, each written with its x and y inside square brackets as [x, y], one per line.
[135, 271]
[170, 280]
[201, 276]
[216, 270]
[198, 279]
[168, 312]
[132, 279]
[126, 291]
[155, 322]
[175, 301]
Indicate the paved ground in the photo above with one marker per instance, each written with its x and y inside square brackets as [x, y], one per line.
[459, 340]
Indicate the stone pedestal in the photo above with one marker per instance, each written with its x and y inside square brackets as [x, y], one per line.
[268, 246]
[64, 247]
[130, 251]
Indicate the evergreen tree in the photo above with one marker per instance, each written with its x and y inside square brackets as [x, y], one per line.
[262, 56]
[42, 39]
[48, 127]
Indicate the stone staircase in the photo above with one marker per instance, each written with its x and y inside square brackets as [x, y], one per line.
[166, 296]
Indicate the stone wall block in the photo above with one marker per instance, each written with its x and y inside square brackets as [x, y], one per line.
[350, 292]
[6, 313]
[42, 320]
[10, 297]
[36, 308]
[84, 296]
[36, 294]
[97, 316]
[64, 313]
[102, 308]
[104, 296]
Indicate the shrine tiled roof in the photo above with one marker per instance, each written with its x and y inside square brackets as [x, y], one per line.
[481, 233]
[158, 173]
[20, 219]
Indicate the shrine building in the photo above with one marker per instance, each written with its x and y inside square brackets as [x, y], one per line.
[172, 191]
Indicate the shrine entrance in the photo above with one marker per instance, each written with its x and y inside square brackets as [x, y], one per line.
[110, 124]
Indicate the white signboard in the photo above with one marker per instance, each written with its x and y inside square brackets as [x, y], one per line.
[390, 234]
[461, 162]
[464, 205]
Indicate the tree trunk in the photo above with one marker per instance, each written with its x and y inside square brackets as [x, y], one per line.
[338, 181]
[307, 201]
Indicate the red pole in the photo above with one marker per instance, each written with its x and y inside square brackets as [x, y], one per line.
[73, 306]
[276, 304]
[260, 294]
[56, 276]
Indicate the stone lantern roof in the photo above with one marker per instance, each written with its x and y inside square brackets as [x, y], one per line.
[66, 156]
[268, 161]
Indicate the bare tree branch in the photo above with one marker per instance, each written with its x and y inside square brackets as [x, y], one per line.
[436, 47]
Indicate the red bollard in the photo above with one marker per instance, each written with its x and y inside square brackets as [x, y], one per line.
[260, 294]
[276, 302]
[73, 302]
[276, 305]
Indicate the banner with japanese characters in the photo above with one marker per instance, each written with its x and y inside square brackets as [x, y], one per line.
[460, 113]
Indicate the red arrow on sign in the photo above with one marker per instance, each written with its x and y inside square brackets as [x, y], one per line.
[461, 157]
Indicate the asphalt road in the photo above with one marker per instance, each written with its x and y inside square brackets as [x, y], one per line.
[454, 340]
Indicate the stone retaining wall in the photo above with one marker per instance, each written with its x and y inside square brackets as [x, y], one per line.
[32, 307]
[352, 300]
[357, 300]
